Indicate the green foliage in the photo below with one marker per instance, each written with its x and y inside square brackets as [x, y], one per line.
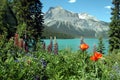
[16, 64]
[101, 47]
[66, 65]
[33, 17]
[2, 12]
[114, 32]
[8, 20]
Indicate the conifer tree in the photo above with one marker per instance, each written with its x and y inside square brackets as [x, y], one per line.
[114, 32]
[33, 17]
[8, 20]
[101, 46]
[2, 14]
[30, 19]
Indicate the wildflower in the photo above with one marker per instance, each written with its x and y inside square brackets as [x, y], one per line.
[43, 45]
[93, 58]
[21, 43]
[83, 45]
[44, 63]
[49, 48]
[96, 56]
[16, 40]
[37, 77]
[55, 46]
[26, 48]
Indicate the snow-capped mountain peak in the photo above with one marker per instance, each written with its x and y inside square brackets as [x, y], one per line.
[87, 16]
[65, 21]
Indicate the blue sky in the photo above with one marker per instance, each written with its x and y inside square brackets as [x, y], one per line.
[98, 8]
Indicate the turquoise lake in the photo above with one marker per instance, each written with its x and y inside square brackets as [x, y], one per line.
[74, 44]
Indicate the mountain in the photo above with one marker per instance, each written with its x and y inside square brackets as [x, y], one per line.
[74, 24]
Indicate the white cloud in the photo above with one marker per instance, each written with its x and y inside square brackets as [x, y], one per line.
[108, 7]
[72, 1]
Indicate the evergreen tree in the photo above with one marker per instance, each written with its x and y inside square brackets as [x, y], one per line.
[31, 14]
[33, 17]
[114, 32]
[8, 20]
[101, 46]
[30, 19]
[2, 13]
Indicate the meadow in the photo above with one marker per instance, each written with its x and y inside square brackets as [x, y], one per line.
[16, 64]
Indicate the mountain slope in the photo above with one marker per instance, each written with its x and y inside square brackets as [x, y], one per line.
[49, 31]
[75, 24]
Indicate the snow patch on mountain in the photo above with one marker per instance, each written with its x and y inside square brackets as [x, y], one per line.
[74, 23]
[87, 16]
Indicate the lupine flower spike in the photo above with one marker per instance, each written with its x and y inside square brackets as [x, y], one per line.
[49, 48]
[43, 45]
[44, 63]
[16, 40]
[21, 43]
[25, 43]
[83, 45]
[55, 46]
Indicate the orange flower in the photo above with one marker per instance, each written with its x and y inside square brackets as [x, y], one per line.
[93, 58]
[84, 46]
[96, 56]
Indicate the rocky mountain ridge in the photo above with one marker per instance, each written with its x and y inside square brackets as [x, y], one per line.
[76, 24]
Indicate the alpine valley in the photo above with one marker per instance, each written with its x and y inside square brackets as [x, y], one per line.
[63, 23]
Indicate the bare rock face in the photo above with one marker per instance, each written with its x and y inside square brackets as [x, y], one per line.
[77, 24]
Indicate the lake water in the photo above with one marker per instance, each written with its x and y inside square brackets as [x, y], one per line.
[74, 44]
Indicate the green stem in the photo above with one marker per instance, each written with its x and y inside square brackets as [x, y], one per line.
[83, 64]
[96, 70]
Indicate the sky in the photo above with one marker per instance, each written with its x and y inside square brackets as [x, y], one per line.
[101, 9]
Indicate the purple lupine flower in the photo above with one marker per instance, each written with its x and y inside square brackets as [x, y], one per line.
[26, 48]
[50, 46]
[16, 39]
[82, 40]
[25, 44]
[44, 63]
[43, 45]
[21, 43]
[37, 77]
[55, 46]
[16, 60]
